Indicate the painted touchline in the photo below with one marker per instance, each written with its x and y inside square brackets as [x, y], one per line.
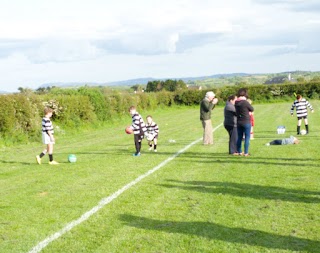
[41, 245]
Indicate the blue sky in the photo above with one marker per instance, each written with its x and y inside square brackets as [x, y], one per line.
[44, 41]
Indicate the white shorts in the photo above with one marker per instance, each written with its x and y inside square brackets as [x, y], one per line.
[46, 138]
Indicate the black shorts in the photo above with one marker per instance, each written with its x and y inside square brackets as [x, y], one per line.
[138, 137]
[304, 117]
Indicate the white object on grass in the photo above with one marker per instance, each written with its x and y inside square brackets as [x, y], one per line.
[303, 132]
[281, 129]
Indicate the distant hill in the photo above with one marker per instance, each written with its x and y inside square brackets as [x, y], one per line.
[216, 80]
[70, 84]
[142, 81]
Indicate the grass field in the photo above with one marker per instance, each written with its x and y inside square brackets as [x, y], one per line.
[200, 200]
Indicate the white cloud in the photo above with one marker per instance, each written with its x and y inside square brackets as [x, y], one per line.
[125, 39]
[63, 50]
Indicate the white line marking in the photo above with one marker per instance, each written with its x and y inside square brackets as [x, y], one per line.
[40, 246]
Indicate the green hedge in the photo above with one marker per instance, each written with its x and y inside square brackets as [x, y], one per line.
[20, 114]
[19, 117]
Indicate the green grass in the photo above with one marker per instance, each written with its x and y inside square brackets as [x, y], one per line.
[202, 201]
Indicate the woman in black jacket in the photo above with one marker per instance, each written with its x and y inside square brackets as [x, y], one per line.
[243, 108]
[230, 123]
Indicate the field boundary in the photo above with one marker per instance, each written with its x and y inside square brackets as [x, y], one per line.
[105, 201]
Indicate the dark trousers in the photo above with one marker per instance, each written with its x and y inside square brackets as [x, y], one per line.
[137, 142]
[233, 136]
[276, 142]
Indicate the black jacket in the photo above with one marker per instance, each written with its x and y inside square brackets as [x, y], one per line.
[243, 108]
[230, 117]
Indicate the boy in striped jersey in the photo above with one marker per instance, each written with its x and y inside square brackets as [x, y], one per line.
[152, 131]
[301, 105]
[47, 137]
[139, 128]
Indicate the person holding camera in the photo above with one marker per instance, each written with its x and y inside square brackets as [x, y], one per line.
[206, 106]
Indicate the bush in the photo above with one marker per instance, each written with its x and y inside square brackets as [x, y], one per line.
[165, 98]
[74, 110]
[97, 100]
[19, 116]
[188, 97]
[7, 114]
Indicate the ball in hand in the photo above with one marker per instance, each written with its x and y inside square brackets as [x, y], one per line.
[128, 130]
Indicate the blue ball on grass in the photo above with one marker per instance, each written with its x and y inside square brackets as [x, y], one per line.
[72, 158]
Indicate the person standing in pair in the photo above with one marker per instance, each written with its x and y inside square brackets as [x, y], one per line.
[243, 108]
[206, 106]
[139, 128]
[230, 123]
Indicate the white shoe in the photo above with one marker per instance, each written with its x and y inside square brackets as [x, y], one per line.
[150, 148]
[267, 144]
[53, 163]
[38, 159]
[155, 150]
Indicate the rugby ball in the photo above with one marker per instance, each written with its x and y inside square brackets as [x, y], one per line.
[72, 158]
[128, 130]
[303, 132]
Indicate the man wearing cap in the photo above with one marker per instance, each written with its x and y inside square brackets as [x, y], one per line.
[206, 106]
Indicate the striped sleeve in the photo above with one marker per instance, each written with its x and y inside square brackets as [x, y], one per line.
[309, 105]
[156, 128]
[293, 106]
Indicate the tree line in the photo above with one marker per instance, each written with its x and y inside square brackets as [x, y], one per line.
[20, 114]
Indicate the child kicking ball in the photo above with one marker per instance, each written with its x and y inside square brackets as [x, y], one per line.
[47, 137]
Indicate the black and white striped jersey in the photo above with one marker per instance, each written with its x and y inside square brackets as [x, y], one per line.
[47, 125]
[301, 107]
[152, 129]
[138, 125]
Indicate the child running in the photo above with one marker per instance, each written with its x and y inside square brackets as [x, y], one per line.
[47, 137]
[139, 128]
[152, 133]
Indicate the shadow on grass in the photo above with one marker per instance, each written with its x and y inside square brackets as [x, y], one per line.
[14, 162]
[214, 231]
[220, 158]
[247, 190]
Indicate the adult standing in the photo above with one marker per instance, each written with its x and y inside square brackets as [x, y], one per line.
[230, 123]
[243, 108]
[206, 106]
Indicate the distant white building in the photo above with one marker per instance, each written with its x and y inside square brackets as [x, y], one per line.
[281, 79]
[194, 87]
